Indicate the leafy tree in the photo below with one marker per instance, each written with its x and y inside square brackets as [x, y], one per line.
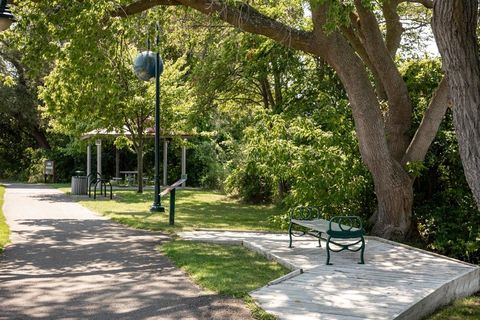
[92, 85]
[18, 93]
[348, 36]
[358, 39]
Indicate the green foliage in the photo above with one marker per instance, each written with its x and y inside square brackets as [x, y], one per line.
[32, 163]
[4, 230]
[316, 167]
[450, 225]
[415, 168]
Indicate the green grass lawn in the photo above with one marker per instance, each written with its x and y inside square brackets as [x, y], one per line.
[4, 230]
[194, 209]
[462, 309]
[229, 270]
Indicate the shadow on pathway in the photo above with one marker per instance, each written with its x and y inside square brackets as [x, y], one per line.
[90, 268]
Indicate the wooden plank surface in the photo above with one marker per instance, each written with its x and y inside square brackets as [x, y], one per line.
[396, 281]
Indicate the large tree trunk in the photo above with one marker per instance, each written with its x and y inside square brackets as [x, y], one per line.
[393, 186]
[395, 200]
[454, 25]
[39, 137]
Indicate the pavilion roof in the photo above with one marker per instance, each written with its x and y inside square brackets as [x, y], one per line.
[149, 133]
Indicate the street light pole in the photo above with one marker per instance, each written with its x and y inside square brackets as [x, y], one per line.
[6, 17]
[157, 206]
[148, 65]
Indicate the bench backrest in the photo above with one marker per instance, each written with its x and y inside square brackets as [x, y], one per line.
[345, 227]
[305, 213]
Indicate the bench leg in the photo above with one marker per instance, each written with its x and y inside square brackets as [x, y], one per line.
[362, 250]
[319, 239]
[328, 251]
[290, 234]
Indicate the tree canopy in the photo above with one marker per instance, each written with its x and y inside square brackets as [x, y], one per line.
[248, 91]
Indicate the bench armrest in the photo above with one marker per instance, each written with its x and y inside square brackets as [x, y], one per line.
[305, 213]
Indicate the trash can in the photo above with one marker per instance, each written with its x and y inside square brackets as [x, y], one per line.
[79, 185]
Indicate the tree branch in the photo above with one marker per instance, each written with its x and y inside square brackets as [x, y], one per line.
[393, 25]
[357, 45]
[426, 3]
[398, 118]
[248, 19]
[240, 15]
[428, 128]
[140, 6]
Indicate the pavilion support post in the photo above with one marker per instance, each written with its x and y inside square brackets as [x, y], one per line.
[117, 163]
[165, 162]
[99, 156]
[184, 164]
[89, 161]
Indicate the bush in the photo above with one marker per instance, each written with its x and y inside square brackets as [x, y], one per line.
[296, 163]
[450, 225]
[251, 187]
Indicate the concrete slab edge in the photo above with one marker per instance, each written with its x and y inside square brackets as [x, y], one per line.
[216, 241]
[419, 250]
[462, 286]
[288, 276]
[270, 256]
[239, 231]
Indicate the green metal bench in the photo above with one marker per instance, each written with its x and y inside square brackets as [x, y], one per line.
[345, 232]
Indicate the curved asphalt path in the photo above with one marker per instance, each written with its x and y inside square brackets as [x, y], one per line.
[65, 262]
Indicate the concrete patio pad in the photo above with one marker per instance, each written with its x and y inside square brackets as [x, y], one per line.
[396, 282]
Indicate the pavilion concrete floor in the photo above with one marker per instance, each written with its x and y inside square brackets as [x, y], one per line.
[396, 281]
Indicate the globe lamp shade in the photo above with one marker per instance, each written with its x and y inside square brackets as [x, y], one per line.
[144, 65]
[6, 17]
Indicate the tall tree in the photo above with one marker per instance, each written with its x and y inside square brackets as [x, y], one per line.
[358, 39]
[350, 38]
[455, 25]
[18, 96]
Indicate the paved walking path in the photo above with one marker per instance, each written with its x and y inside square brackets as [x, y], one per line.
[66, 262]
[396, 281]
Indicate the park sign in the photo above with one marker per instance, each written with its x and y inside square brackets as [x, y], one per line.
[48, 169]
[49, 166]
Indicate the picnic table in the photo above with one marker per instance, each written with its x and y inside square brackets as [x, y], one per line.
[130, 176]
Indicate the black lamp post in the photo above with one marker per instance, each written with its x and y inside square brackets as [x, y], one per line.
[149, 65]
[6, 17]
